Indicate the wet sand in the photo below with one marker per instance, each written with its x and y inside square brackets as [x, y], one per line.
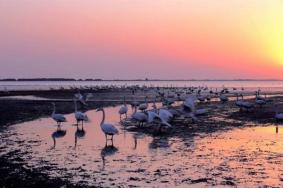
[222, 118]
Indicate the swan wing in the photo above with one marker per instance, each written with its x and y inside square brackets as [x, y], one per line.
[109, 128]
[59, 117]
[81, 116]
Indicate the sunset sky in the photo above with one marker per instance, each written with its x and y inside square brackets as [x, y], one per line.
[127, 39]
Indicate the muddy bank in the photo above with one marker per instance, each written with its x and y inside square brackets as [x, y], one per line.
[14, 174]
[116, 93]
[16, 111]
[185, 156]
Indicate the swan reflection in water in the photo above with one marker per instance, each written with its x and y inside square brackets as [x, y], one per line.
[108, 150]
[159, 142]
[80, 133]
[59, 133]
[135, 141]
[136, 137]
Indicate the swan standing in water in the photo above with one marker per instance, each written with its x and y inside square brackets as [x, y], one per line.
[139, 117]
[59, 118]
[123, 109]
[80, 116]
[107, 128]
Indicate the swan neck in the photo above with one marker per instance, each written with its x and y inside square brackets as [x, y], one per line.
[103, 117]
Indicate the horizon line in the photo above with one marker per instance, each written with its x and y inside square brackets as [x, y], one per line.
[146, 79]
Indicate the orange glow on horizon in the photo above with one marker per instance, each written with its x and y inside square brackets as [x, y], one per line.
[217, 34]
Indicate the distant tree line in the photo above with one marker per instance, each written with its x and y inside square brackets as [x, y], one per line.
[146, 79]
[48, 79]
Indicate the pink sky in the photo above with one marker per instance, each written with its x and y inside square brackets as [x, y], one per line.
[167, 39]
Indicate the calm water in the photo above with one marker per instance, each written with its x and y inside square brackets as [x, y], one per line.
[41, 85]
[247, 157]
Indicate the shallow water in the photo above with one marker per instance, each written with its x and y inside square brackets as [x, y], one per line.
[249, 157]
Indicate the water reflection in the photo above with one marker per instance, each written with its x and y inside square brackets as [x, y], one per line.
[136, 139]
[79, 134]
[247, 157]
[159, 142]
[107, 151]
[59, 133]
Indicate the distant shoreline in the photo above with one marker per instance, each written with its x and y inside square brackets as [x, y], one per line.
[123, 80]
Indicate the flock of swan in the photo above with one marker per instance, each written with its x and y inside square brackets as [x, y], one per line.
[161, 117]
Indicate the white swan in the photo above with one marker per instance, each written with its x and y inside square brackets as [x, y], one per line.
[107, 128]
[59, 118]
[143, 106]
[189, 105]
[246, 104]
[165, 115]
[239, 102]
[81, 98]
[161, 121]
[140, 117]
[260, 100]
[152, 117]
[123, 109]
[80, 116]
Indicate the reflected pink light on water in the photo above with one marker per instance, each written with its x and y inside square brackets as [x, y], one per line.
[248, 157]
